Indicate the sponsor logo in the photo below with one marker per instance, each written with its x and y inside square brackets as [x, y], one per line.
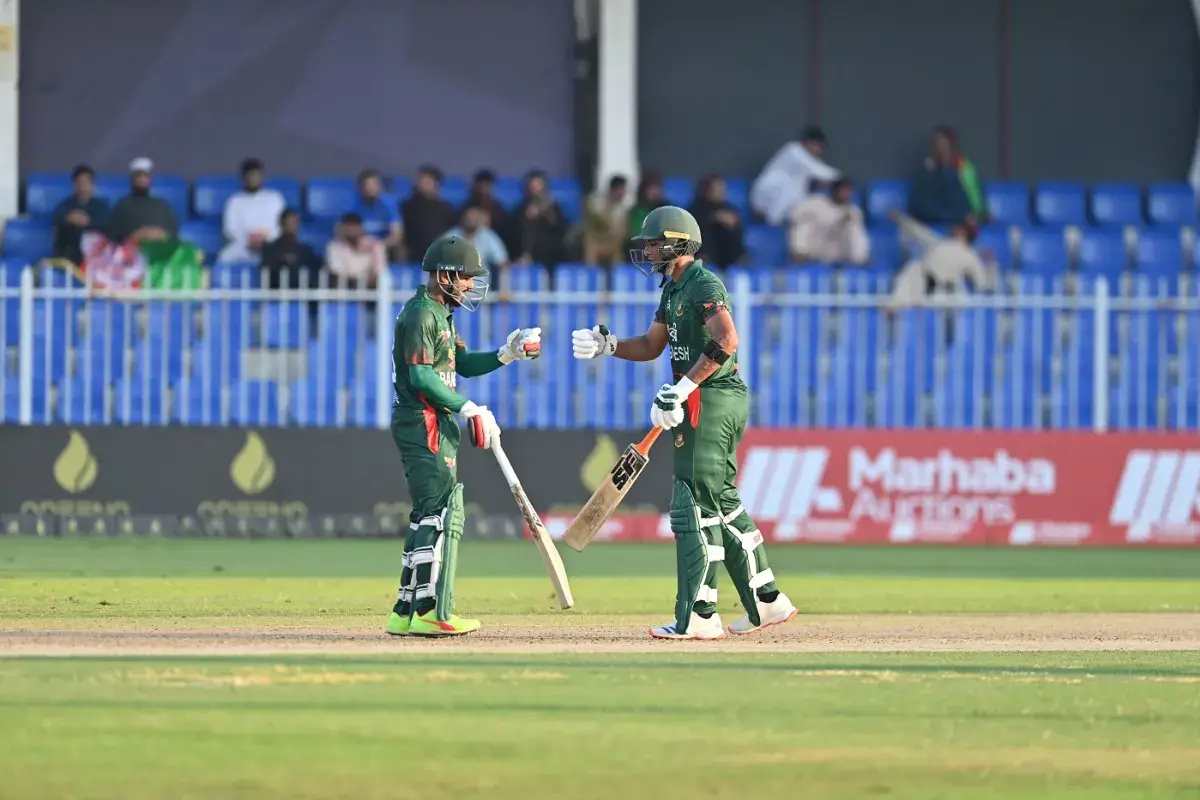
[1158, 496]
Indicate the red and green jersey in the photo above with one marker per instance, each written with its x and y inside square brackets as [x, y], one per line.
[684, 308]
[425, 334]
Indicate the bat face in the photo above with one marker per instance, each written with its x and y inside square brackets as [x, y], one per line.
[604, 502]
[627, 468]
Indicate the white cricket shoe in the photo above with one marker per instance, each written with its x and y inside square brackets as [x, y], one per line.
[698, 628]
[769, 614]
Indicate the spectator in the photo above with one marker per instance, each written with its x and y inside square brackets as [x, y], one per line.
[81, 211]
[139, 215]
[791, 175]
[829, 228]
[720, 223]
[946, 190]
[289, 262]
[605, 221]
[380, 212]
[542, 226]
[944, 264]
[354, 258]
[426, 215]
[251, 217]
[483, 195]
[476, 228]
[649, 197]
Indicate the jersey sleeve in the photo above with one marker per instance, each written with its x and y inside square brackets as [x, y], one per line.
[708, 297]
[417, 340]
[660, 313]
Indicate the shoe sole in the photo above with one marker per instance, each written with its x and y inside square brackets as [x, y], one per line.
[397, 633]
[788, 618]
[441, 634]
[687, 637]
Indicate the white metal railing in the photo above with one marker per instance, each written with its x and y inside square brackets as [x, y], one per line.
[818, 348]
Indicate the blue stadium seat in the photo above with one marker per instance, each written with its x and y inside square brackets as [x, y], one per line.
[315, 404]
[175, 191]
[1043, 252]
[1060, 203]
[737, 192]
[1008, 202]
[406, 277]
[205, 235]
[507, 191]
[79, 405]
[317, 234]
[112, 187]
[209, 194]
[236, 275]
[678, 191]
[197, 402]
[399, 185]
[141, 402]
[1171, 204]
[882, 196]
[254, 403]
[766, 245]
[27, 239]
[886, 252]
[288, 187]
[1102, 254]
[329, 198]
[44, 191]
[1116, 204]
[454, 190]
[569, 196]
[996, 239]
[1159, 251]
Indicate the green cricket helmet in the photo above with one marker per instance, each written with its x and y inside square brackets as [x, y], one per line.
[453, 257]
[673, 230]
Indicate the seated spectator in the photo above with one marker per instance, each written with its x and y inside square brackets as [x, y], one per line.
[541, 224]
[794, 172]
[483, 195]
[289, 262]
[354, 259]
[649, 197]
[81, 211]
[251, 217]
[605, 221]
[943, 266]
[829, 228]
[946, 190]
[476, 228]
[140, 216]
[720, 223]
[426, 215]
[380, 212]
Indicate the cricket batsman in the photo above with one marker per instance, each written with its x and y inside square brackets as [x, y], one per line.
[427, 357]
[706, 409]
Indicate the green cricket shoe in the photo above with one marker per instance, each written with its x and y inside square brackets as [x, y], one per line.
[397, 625]
[429, 625]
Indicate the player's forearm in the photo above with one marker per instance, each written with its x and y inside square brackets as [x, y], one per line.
[724, 344]
[472, 364]
[702, 370]
[639, 348]
[426, 381]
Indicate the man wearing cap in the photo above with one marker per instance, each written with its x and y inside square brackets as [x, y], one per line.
[251, 217]
[139, 215]
[790, 175]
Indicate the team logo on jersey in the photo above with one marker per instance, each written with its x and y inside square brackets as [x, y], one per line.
[679, 310]
[679, 440]
[449, 461]
[445, 336]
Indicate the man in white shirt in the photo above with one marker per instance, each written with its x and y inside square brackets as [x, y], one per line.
[943, 264]
[829, 228]
[787, 178]
[251, 216]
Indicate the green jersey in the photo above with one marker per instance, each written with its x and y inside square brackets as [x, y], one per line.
[425, 334]
[684, 308]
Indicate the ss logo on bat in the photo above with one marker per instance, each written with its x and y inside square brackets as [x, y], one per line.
[629, 466]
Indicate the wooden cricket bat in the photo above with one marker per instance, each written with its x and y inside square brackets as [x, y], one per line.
[541, 537]
[604, 500]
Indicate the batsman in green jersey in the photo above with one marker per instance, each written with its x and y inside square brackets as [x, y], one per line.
[427, 357]
[705, 409]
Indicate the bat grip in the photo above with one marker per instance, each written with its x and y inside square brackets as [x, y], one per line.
[648, 440]
[505, 466]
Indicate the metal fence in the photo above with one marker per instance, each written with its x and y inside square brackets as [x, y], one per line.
[820, 348]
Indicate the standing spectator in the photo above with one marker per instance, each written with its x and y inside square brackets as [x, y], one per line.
[289, 262]
[476, 228]
[139, 215]
[791, 175]
[829, 228]
[605, 223]
[649, 197]
[946, 190]
[251, 217]
[541, 223]
[354, 258]
[720, 223]
[81, 211]
[943, 266]
[426, 215]
[379, 211]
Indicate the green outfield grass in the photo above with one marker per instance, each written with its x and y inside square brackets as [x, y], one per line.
[439, 724]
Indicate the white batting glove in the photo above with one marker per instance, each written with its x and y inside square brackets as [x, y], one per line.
[523, 344]
[667, 410]
[593, 342]
[481, 424]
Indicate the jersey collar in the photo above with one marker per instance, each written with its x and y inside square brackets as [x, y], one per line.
[441, 308]
[689, 273]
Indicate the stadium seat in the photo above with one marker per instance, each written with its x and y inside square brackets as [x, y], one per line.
[1043, 252]
[454, 190]
[1171, 204]
[508, 191]
[27, 239]
[1159, 251]
[886, 252]
[399, 185]
[329, 198]
[141, 402]
[205, 235]
[174, 190]
[766, 245]
[737, 192]
[882, 196]
[288, 187]
[209, 194]
[996, 239]
[1007, 202]
[112, 187]
[44, 191]
[569, 196]
[317, 234]
[1102, 254]
[1059, 203]
[254, 403]
[1116, 204]
[679, 191]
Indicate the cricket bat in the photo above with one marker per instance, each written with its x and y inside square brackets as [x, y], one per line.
[541, 537]
[604, 500]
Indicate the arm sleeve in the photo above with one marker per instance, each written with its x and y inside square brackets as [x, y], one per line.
[60, 212]
[426, 381]
[473, 363]
[231, 221]
[708, 298]
[815, 167]
[915, 230]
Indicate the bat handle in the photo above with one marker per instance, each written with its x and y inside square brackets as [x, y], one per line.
[647, 441]
[505, 466]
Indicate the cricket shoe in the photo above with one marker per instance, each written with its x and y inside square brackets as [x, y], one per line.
[775, 613]
[698, 628]
[397, 625]
[429, 625]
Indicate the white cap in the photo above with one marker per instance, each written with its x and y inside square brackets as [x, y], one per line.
[141, 164]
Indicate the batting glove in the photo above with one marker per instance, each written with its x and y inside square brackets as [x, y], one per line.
[523, 344]
[593, 342]
[481, 424]
[667, 410]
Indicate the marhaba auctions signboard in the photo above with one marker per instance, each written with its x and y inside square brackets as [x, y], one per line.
[900, 487]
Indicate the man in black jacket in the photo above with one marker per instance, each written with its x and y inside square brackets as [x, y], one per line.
[141, 216]
[426, 215]
[81, 211]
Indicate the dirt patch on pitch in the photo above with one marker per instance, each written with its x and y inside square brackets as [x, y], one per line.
[807, 634]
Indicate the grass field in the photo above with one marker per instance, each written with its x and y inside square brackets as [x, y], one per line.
[215, 669]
